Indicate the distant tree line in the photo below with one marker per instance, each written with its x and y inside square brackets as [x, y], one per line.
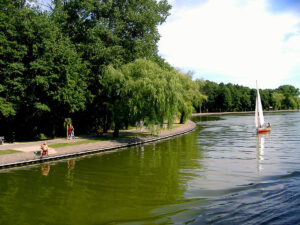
[94, 61]
[235, 98]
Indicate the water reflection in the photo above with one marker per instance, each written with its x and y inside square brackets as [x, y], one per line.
[71, 164]
[70, 172]
[260, 148]
[260, 145]
[45, 169]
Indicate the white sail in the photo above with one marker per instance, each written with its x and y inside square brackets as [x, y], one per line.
[259, 115]
[256, 115]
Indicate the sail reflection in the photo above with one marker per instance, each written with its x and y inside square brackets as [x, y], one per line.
[260, 146]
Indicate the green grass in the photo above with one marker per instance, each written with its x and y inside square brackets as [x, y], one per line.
[121, 136]
[3, 152]
[60, 145]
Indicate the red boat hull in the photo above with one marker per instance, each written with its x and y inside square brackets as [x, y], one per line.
[259, 130]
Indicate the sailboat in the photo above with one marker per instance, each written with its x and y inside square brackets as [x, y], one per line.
[259, 115]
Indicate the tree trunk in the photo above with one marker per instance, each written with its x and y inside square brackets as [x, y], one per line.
[106, 125]
[127, 123]
[182, 117]
[116, 130]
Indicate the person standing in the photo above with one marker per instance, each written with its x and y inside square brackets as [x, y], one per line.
[70, 131]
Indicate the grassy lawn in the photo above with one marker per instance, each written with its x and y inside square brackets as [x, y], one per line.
[3, 152]
[60, 145]
[121, 136]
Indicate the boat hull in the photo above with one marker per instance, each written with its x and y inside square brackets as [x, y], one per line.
[260, 130]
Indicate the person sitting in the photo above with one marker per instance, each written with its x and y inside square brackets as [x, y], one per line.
[44, 149]
[269, 125]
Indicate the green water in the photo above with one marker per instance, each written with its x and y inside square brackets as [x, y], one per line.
[127, 185]
[221, 173]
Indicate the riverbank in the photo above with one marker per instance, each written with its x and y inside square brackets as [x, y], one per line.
[26, 155]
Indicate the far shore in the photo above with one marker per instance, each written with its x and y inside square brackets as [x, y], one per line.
[243, 112]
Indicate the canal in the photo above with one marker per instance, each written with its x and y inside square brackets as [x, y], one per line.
[221, 173]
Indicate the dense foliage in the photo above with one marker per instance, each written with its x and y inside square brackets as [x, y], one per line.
[234, 98]
[93, 61]
[96, 62]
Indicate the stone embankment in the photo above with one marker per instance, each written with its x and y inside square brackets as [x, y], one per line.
[27, 156]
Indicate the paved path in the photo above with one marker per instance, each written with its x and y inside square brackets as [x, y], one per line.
[36, 145]
[27, 155]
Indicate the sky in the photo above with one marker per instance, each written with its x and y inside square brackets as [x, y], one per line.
[234, 41]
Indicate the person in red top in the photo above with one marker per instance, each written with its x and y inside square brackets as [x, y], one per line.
[69, 131]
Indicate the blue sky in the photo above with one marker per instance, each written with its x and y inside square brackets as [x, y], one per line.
[236, 41]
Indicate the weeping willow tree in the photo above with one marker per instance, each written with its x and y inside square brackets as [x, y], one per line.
[141, 91]
[144, 91]
[154, 92]
[190, 95]
[199, 98]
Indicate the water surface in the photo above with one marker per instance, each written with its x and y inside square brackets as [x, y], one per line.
[222, 173]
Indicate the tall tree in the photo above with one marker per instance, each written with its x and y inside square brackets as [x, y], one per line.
[211, 91]
[277, 99]
[289, 93]
[109, 34]
[191, 95]
[199, 97]
[42, 75]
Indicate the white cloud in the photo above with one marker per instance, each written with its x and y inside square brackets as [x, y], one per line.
[243, 42]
